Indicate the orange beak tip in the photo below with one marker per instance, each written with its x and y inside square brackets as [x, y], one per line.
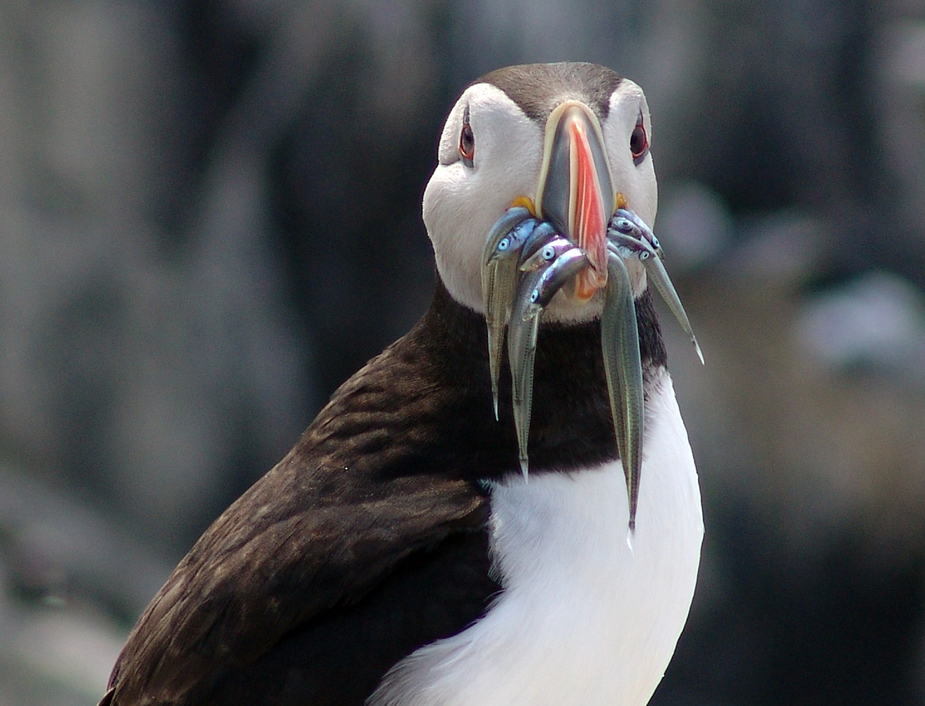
[587, 283]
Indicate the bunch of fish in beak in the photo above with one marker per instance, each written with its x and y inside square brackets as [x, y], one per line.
[526, 262]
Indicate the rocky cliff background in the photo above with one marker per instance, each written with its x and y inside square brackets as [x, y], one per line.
[210, 217]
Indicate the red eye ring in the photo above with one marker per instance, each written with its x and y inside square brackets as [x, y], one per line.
[639, 142]
[467, 141]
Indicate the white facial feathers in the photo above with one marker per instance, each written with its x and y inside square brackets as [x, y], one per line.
[636, 182]
[461, 203]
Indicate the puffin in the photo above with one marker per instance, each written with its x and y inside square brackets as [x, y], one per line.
[432, 539]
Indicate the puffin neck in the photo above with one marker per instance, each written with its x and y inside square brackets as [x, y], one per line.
[431, 392]
[459, 333]
[571, 423]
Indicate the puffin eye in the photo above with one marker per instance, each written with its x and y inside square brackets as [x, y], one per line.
[639, 142]
[466, 141]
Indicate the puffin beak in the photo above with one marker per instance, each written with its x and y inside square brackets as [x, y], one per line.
[575, 191]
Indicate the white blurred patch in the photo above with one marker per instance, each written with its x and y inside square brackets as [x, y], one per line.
[67, 648]
[903, 47]
[876, 321]
[694, 226]
[782, 246]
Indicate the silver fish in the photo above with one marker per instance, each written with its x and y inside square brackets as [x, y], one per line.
[526, 262]
[628, 223]
[534, 293]
[544, 255]
[544, 233]
[559, 270]
[521, 346]
[623, 368]
[627, 246]
[499, 280]
[512, 243]
[511, 218]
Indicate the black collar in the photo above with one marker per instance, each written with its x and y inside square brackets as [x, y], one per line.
[423, 406]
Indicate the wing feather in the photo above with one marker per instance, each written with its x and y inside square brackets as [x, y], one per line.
[364, 496]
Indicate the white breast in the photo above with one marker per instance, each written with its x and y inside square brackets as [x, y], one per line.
[588, 615]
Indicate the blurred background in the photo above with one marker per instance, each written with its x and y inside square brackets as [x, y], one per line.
[210, 217]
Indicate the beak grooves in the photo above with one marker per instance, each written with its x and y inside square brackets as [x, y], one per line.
[575, 190]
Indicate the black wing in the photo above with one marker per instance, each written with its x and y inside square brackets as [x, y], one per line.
[364, 543]
[297, 602]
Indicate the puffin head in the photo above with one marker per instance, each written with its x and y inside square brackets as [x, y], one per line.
[571, 141]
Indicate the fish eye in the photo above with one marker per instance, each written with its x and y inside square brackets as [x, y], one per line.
[623, 225]
[504, 243]
[467, 141]
[534, 295]
[549, 252]
[644, 255]
[639, 141]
